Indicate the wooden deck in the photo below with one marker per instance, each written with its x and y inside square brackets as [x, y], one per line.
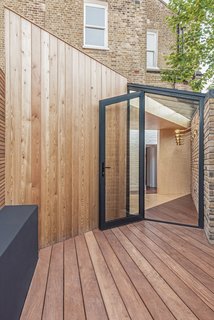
[142, 271]
[181, 210]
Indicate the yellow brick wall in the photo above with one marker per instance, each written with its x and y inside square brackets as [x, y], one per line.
[128, 23]
[209, 167]
[195, 157]
[157, 12]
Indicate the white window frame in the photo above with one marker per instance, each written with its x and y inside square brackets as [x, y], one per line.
[96, 4]
[155, 67]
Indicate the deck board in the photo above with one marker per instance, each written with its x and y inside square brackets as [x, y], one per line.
[53, 306]
[73, 303]
[90, 287]
[34, 303]
[115, 306]
[145, 270]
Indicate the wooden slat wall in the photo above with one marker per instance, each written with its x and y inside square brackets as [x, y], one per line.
[53, 93]
[2, 138]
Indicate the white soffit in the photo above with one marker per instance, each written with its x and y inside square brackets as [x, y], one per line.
[159, 110]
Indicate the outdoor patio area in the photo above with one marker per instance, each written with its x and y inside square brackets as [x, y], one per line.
[141, 271]
[106, 160]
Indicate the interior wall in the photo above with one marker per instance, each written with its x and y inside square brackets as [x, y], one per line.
[174, 164]
[2, 138]
[52, 128]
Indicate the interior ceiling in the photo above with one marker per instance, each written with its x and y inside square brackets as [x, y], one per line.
[165, 112]
[184, 107]
[153, 122]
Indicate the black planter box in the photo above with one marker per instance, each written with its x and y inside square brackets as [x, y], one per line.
[18, 257]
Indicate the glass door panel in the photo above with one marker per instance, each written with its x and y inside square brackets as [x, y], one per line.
[116, 161]
[120, 159]
[134, 148]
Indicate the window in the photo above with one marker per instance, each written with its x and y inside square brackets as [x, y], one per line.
[152, 49]
[95, 25]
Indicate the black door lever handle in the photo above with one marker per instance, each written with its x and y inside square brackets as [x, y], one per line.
[103, 169]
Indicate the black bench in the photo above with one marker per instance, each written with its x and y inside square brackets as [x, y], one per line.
[18, 257]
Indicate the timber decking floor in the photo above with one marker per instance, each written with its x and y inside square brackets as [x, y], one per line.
[181, 210]
[145, 270]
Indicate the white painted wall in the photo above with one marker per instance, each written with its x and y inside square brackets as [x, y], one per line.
[151, 137]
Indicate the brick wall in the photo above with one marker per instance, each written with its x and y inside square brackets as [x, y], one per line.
[209, 167]
[128, 24]
[195, 157]
[156, 13]
[31, 9]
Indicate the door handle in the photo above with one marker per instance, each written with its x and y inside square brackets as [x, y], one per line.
[103, 169]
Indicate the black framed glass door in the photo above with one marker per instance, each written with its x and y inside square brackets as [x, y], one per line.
[152, 157]
[121, 169]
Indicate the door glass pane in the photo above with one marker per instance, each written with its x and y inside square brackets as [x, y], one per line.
[122, 160]
[134, 156]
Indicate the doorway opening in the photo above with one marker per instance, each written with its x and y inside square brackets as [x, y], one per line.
[151, 157]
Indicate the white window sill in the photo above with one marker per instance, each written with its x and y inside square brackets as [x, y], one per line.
[155, 69]
[96, 48]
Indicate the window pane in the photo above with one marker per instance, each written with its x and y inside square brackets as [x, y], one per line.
[94, 37]
[151, 41]
[95, 16]
[150, 59]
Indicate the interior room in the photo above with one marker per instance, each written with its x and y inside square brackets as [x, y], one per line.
[171, 159]
[171, 156]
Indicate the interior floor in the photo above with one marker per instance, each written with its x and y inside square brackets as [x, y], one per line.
[150, 190]
[152, 200]
[179, 210]
[141, 271]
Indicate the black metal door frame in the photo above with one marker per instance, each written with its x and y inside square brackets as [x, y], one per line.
[139, 91]
[103, 224]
